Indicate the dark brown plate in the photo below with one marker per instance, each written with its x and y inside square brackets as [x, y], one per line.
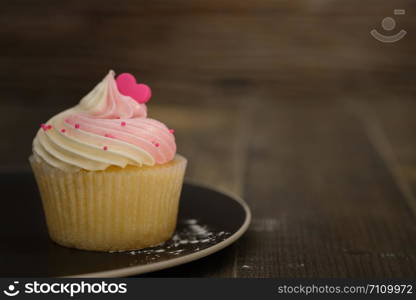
[208, 221]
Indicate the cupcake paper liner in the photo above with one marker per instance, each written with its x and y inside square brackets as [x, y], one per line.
[112, 210]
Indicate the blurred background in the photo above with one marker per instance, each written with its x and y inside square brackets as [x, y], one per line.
[292, 104]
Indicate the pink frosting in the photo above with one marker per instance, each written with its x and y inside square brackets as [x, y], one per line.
[150, 135]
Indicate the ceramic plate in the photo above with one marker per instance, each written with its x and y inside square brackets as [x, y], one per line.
[208, 221]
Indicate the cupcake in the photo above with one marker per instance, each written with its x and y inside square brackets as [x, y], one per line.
[109, 177]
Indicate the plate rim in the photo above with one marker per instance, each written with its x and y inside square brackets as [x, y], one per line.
[142, 269]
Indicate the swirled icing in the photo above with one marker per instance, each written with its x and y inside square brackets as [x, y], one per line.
[105, 129]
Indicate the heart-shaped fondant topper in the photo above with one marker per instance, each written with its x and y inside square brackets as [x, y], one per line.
[128, 86]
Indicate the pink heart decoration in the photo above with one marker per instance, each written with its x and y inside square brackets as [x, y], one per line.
[128, 86]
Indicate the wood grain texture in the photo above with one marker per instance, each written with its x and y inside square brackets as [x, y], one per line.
[325, 204]
[390, 126]
[291, 104]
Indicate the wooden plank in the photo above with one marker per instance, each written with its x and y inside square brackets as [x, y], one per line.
[391, 126]
[182, 48]
[325, 205]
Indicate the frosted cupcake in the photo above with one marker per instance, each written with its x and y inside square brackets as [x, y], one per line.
[109, 177]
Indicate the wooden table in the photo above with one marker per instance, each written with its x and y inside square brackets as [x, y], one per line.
[291, 104]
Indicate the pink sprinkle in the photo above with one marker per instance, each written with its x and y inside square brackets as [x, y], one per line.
[108, 135]
[105, 148]
[76, 126]
[63, 130]
[45, 127]
[156, 144]
[172, 131]
[123, 123]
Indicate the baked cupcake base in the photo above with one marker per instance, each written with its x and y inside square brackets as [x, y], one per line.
[113, 210]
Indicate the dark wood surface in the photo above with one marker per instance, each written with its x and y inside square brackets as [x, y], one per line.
[291, 104]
